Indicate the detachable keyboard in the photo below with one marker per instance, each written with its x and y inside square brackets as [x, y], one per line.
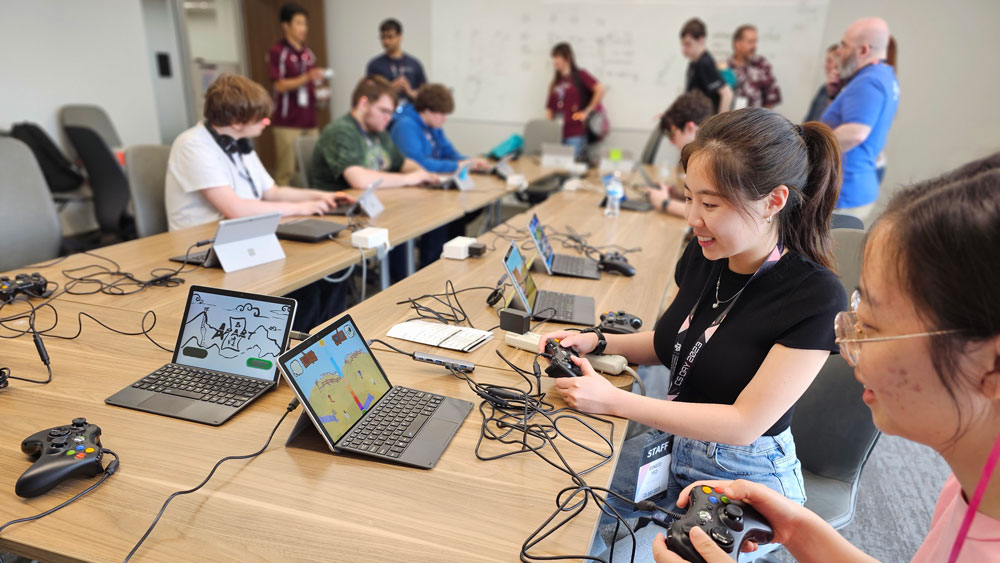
[203, 385]
[572, 265]
[391, 425]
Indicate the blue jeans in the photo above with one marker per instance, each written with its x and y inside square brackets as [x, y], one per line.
[769, 460]
[579, 144]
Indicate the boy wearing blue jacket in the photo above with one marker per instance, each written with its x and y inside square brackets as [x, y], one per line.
[417, 132]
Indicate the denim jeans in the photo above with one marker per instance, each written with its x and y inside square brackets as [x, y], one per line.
[769, 460]
[579, 144]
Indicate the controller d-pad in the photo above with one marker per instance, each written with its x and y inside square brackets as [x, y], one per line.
[722, 537]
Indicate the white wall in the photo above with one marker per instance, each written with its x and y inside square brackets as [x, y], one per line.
[57, 52]
[213, 34]
[947, 114]
[169, 92]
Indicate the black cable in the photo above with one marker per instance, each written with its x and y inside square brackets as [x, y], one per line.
[162, 277]
[291, 407]
[390, 346]
[108, 472]
[455, 313]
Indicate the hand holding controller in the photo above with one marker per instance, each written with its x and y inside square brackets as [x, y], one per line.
[60, 453]
[560, 364]
[728, 522]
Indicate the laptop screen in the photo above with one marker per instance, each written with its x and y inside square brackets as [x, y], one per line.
[337, 376]
[541, 242]
[234, 332]
[520, 276]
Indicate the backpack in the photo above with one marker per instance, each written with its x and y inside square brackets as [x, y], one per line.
[59, 172]
[597, 125]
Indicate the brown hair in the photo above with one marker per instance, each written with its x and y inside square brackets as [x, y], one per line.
[234, 99]
[754, 150]
[890, 54]
[938, 230]
[565, 51]
[434, 97]
[372, 88]
[693, 107]
[695, 28]
[738, 34]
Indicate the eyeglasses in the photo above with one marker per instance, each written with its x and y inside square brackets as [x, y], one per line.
[850, 336]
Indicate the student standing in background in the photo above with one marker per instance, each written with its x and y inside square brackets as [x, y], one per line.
[574, 94]
[292, 66]
[755, 83]
[403, 71]
[830, 87]
[702, 74]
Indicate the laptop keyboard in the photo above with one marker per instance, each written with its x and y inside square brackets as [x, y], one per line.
[196, 257]
[573, 265]
[393, 422]
[203, 385]
[549, 300]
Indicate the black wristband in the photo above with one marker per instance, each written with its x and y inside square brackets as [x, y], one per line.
[602, 342]
[664, 204]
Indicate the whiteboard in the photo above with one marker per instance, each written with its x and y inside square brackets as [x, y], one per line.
[495, 55]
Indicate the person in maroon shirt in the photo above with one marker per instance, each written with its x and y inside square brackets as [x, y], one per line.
[574, 94]
[293, 71]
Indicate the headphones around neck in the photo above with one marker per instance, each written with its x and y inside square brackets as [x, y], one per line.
[229, 144]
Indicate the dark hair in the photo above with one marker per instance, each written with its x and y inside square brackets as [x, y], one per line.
[754, 150]
[832, 47]
[372, 88]
[565, 51]
[692, 107]
[390, 24]
[738, 34]
[289, 11]
[434, 97]
[938, 231]
[890, 54]
[695, 28]
[234, 99]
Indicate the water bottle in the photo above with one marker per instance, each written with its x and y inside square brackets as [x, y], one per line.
[615, 193]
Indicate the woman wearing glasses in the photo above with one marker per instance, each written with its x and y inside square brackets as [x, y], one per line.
[752, 322]
[923, 335]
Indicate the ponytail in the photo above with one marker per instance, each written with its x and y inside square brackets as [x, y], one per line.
[804, 224]
[754, 150]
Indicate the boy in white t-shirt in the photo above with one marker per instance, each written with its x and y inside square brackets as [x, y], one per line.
[213, 173]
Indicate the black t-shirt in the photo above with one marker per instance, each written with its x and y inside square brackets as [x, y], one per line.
[703, 75]
[792, 304]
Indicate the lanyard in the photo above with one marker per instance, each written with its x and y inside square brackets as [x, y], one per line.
[963, 531]
[245, 173]
[678, 376]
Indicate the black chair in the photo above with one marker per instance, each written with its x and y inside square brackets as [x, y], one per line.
[107, 181]
[839, 221]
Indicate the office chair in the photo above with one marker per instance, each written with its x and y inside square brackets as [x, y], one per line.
[146, 171]
[538, 131]
[91, 117]
[304, 147]
[839, 221]
[30, 227]
[833, 428]
[107, 181]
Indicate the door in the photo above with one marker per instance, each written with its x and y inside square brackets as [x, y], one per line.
[262, 29]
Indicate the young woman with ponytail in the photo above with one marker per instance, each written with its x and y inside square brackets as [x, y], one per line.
[751, 323]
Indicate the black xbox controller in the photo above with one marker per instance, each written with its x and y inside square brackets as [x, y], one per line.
[560, 364]
[616, 262]
[32, 285]
[728, 522]
[619, 323]
[60, 453]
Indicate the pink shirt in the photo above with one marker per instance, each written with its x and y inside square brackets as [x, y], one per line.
[983, 542]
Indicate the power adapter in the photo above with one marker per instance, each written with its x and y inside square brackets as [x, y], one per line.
[370, 237]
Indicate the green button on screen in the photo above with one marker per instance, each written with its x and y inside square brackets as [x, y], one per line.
[258, 363]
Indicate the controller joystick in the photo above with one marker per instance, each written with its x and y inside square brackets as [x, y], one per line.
[560, 364]
[60, 453]
[728, 522]
[619, 322]
[616, 262]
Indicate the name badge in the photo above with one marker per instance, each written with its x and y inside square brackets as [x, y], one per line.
[303, 96]
[654, 468]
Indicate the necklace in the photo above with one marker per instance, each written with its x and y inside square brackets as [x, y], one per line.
[717, 283]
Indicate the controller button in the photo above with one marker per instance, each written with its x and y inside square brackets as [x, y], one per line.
[704, 516]
[80, 455]
[718, 490]
[89, 450]
[80, 448]
[79, 439]
[71, 452]
[713, 500]
[79, 422]
[724, 499]
[706, 490]
[722, 536]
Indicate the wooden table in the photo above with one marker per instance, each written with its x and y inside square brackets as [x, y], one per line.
[294, 503]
